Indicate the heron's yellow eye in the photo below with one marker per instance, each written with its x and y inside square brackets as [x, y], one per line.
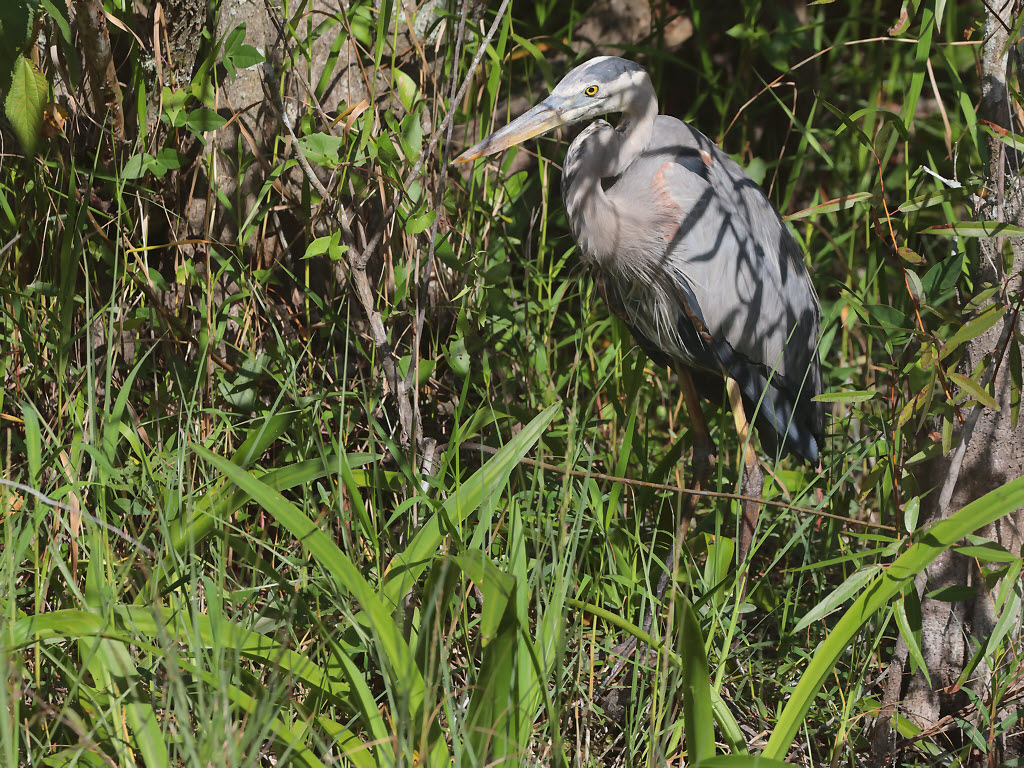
[591, 90]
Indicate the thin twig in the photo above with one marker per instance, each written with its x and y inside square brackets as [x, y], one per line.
[60, 505]
[473, 446]
[357, 263]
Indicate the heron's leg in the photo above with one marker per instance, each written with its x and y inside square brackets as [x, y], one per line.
[703, 448]
[753, 479]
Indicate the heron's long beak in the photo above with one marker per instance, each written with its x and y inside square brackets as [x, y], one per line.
[540, 119]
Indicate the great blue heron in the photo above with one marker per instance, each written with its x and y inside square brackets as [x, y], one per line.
[688, 252]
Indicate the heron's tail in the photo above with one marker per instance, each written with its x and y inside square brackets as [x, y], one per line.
[783, 412]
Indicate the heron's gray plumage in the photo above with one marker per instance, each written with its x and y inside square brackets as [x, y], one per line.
[689, 251]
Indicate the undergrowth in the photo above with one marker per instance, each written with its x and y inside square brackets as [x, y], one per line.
[227, 547]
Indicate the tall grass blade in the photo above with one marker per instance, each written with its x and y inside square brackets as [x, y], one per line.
[406, 567]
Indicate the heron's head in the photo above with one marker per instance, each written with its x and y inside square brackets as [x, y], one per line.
[602, 85]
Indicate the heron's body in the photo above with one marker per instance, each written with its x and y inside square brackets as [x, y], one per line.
[688, 250]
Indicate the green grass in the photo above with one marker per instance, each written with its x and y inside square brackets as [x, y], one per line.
[240, 562]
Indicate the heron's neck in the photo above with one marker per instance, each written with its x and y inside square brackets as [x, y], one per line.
[599, 155]
[586, 204]
[636, 129]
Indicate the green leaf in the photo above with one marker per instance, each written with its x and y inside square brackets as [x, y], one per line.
[973, 329]
[168, 159]
[289, 737]
[846, 396]
[458, 356]
[914, 284]
[26, 103]
[955, 593]
[491, 715]
[405, 676]
[495, 585]
[162, 621]
[849, 124]
[112, 666]
[204, 120]
[137, 166]
[939, 281]
[952, 196]
[59, 13]
[837, 204]
[405, 568]
[1006, 138]
[237, 55]
[910, 256]
[973, 389]
[696, 688]
[410, 135]
[1009, 613]
[323, 148]
[424, 370]
[406, 87]
[845, 591]
[320, 245]
[892, 321]
[908, 619]
[975, 229]
[17, 19]
[987, 553]
[173, 106]
[417, 224]
[247, 56]
[910, 512]
[745, 761]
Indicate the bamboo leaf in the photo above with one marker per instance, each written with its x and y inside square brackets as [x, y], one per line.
[951, 196]
[1005, 137]
[955, 593]
[836, 204]
[973, 329]
[910, 629]
[987, 553]
[974, 229]
[846, 396]
[973, 389]
[837, 597]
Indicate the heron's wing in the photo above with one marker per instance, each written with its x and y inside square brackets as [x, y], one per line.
[744, 271]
